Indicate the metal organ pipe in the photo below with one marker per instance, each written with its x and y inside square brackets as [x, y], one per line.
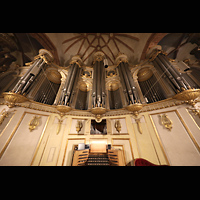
[176, 78]
[67, 90]
[123, 83]
[64, 89]
[98, 84]
[98, 89]
[94, 85]
[24, 83]
[131, 82]
[183, 79]
[74, 85]
[103, 92]
[173, 71]
[158, 63]
[128, 85]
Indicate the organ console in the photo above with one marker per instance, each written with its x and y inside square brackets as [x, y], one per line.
[99, 154]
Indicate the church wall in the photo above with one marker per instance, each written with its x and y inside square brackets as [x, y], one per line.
[51, 143]
[17, 142]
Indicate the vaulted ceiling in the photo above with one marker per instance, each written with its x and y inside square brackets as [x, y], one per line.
[64, 46]
[86, 44]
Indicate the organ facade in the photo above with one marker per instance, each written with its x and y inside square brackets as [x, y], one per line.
[95, 115]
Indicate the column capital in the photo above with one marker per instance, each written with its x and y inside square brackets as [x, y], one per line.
[121, 57]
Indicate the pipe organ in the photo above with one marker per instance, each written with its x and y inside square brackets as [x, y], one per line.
[99, 114]
[112, 88]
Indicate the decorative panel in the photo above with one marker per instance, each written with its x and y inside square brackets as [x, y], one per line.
[177, 142]
[77, 127]
[146, 146]
[119, 126]
[20, 147]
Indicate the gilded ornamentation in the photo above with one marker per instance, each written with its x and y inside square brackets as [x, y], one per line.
[13, 98]
[53, 75]
[144, 74]
[139, 125]
[79, 126]
[137, 120]
[118, 126]
[188, 96]
[98, 111]
[111, 73]
[196, 112]
[4, 114]
[86, 74]
[166, 122]
[135, 108]
[34, 123]
[42, 53]
[63, 109]
[98, 56]
[60, 121]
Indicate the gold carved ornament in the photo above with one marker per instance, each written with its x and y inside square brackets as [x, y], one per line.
[3, 116]
[60, 121]
[166, 122]
[118, 126]
[79, 126]
[137, 120]
[34, 123]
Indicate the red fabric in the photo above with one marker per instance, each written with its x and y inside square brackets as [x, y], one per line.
[143, 162]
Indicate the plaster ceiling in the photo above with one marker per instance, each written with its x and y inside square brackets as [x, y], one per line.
[86, 44]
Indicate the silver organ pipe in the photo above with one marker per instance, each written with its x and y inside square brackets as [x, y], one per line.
[128, 83]
[69, 86]
[94, 85]
[158, 63]
[123, 84]
[98, 89]
[25, 82]
[175, 77]
[103, 92]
